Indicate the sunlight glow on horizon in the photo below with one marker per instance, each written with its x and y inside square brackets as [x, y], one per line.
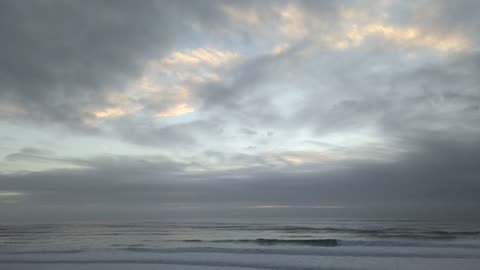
[296, 206]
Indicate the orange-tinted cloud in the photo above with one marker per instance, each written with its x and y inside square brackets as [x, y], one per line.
[115, 112]
[200, 56]
[179, 109]
[355, 35]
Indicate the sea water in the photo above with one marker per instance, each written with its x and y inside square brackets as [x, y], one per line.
[242, 244]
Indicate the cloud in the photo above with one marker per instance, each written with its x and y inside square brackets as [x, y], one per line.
[113, 112]
[10, 193]
[367, 105]
[148, 132]
[438, 179]
[61, 60]
[446, 16]
[404, 37]
[200, 56]
[30, 153]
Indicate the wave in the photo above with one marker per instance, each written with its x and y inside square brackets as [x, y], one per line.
[407, 233]
[210, 263]
[271, 242]
[306, 252]
[380, 243]
[311, 229]
[66, 251]
[381, 231]
[322, 252]
[339, 242]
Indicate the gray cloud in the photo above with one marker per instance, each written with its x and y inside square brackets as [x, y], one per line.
[61, 58]
[439, 178]
[348, 93]
[60, 61]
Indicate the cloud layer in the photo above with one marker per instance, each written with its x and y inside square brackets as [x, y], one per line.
[372, 107]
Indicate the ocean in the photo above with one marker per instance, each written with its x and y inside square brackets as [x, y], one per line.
[242, 244]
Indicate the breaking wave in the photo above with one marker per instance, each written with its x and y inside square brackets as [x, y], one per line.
[339, 242]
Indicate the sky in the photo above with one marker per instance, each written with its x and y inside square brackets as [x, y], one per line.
[154, 109]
